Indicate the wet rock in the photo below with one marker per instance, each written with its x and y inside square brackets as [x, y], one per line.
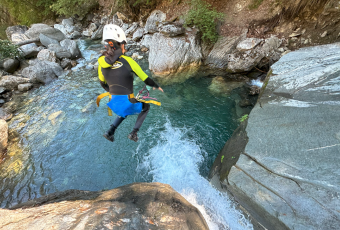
[176, 56]
[3, 136]
[72, 47]
[138, 34]
[245, 103]
[254, 90]
[171, 30]
[141, 206]
[220, 85]
[291, 160]
[46, 40]
[11, 65]
[153, 21]
[11, 82]
[47, 55]
[15, 30]
[42, 72]
[66, 63]
[60, 51]
[25, 87]
[30, 50]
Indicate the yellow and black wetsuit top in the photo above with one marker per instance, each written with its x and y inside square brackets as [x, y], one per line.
[116, 74]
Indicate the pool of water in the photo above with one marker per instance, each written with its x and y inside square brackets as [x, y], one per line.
[61, 146]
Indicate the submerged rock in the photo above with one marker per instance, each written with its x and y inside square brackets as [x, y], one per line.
[140, 206]
[219, 85]
[287, 174]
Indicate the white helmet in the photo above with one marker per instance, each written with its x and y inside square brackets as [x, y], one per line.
[113, 32]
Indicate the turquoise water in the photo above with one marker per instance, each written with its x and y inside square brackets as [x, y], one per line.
[61, 146]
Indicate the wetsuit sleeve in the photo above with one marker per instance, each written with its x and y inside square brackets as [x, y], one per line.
[140, 73]
[104, 85]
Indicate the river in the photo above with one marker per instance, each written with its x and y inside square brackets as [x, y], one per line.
[60, 144]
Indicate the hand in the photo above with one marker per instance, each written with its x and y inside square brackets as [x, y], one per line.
[159, 88]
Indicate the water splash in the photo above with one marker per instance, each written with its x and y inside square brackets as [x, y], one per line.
[257, 82]
[175, 159]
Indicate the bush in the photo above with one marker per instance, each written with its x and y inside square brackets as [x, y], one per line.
[203, 17]
[72, 7]
[28, 12]
[8, 50]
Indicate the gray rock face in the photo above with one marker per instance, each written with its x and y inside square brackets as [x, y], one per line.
[72, 47]
[50, 32]
[218, 57]
[60, 51]
[147, 40]
[47, 55]
[138, 34]
[180, 56]
[141, 206]
[11, 65]
[30, 50]
[98, 34]
[153, 21]
[3, 136]
[245, 58]
[11, 82]
[42, 72]
[288, 173]
[15, 30]
[171, 30]
[46, 40]
[132, 29]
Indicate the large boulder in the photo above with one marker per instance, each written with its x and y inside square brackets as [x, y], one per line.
[138, 34]
[90, 30]
[42, 72]
[68, 28]
[11, 82]
[146, 40]
[72, 47]
[60, 51]
[30, 50]
[46, 40]
[176, 58]
[11, 65]
[3, 136]
[153, 21]
[141, 206]
[250, 53]
[287, 172]
[16, 33]
[171, 29]
[37, 29]
[47, 55]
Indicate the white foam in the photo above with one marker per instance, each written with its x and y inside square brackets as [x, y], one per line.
[175, 160]
[257, 83]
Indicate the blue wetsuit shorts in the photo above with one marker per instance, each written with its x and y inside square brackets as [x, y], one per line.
[121, 106]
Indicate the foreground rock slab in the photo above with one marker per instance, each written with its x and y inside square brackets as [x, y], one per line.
[135, 206]
[287, 175]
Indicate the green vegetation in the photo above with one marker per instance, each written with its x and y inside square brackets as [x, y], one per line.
[8, 50]
[203, 17]
[243, 118]
[3, 35]
[72, 7]
[222, 158]
[255, 4]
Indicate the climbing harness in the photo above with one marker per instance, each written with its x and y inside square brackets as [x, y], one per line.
[141, 97]
[145, 94]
